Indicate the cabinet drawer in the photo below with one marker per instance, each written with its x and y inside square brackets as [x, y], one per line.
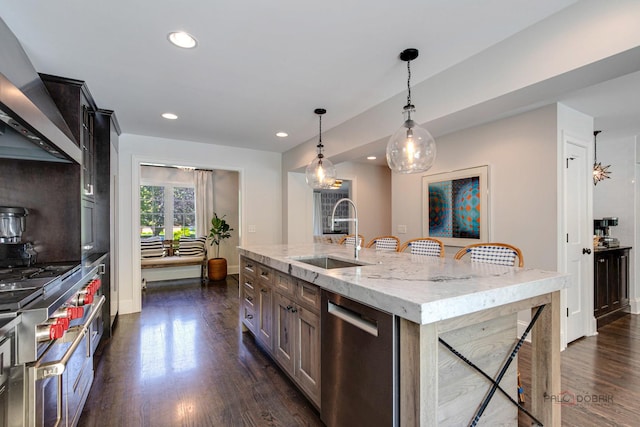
[248, 282]
[248, 316]
[308, 295]
[248, 295]
[248, 266]
[265, 274]
[284, 284]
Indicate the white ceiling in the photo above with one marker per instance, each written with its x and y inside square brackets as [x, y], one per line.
[262, 67]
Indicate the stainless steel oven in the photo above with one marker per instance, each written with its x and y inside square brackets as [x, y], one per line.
[59, 381]
[53, 314]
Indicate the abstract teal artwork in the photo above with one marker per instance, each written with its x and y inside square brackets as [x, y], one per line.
[455, 205]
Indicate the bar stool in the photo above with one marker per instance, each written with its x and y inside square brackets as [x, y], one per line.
[385, 243]
[427, 246]
[350, 240]
[493, 253]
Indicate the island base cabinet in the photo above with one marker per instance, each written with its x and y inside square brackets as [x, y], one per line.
[284, 333]
[282, 313]
[297, 344]
[265, 316]
[307, 357]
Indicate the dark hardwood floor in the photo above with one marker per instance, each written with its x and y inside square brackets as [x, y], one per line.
[600, 377]
[184, 362]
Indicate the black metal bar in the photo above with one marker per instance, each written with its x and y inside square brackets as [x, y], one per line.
[506, 365]
[491, 380]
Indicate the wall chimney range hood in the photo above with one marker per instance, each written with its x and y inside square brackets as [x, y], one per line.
[31, 126]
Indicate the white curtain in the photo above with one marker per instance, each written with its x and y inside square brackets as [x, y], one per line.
[204, 203]
[317, 214]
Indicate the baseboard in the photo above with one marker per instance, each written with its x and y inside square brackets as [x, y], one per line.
[634, 306]
[174, 282]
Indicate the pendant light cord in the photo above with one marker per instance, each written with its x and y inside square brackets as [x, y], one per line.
[408, 107]
[408, 83]
[320, 146]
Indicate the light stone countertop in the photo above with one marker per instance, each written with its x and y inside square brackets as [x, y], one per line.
[418, 288]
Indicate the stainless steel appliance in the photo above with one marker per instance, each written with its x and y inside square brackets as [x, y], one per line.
[52, 314]
[359, 364]
[14, 252]
[602, 231]
[13, 221]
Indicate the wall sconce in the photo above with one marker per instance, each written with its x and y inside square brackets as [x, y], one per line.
[599, 172]
[320, 173]
[411, 149]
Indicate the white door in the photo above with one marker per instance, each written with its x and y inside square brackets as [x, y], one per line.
[579, 243]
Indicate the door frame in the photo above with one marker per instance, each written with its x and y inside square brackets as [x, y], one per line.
[589, 321]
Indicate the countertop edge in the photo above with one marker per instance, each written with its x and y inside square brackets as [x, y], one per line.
[539, 282]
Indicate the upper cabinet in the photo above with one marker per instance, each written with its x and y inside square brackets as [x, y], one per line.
[73, 99]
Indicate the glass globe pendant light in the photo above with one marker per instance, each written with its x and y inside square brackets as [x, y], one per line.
[411, 149]
[320, 173]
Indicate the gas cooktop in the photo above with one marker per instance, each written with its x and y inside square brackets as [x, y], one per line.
[21, 285]
[18, 274]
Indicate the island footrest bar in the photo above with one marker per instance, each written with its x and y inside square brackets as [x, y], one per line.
[496, 382]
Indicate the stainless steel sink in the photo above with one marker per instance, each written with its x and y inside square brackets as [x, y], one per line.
[328, 263]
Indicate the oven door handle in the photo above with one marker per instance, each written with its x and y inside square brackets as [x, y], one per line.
[51, 369]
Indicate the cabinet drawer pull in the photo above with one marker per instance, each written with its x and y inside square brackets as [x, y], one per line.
[249, 316]
[601, 260]
[249, 298]
[264, 290]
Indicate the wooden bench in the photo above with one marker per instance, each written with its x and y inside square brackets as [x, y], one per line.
[171, 259]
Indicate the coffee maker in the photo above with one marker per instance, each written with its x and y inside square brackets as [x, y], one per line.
[601, 228]
[13, 251]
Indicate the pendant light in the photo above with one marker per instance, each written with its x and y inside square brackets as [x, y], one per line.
[320, 172]
[411, 149]
[599, 172]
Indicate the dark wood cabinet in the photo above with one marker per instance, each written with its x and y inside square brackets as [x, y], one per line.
[96, 131]
[73, 99]
[611, 284]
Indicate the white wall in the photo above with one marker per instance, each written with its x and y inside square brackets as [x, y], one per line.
[521, 152]
[260, 197]
[617, 197]
[371, 192]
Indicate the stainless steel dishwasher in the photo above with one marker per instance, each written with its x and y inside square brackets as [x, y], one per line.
[359, 364]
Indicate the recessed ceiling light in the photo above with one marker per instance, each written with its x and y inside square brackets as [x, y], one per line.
[182, 39]
[371, 157]
[282, 134]
[169, 116]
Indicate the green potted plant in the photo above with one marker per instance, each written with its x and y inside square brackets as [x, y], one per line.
[220, 230]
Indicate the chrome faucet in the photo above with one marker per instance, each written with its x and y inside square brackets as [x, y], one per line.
[356, 245]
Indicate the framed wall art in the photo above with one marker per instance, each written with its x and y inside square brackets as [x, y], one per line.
[456, 206]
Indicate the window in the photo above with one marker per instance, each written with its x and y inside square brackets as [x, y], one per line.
[163, 206]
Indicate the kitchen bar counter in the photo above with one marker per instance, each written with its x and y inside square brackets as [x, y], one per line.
[473, 305]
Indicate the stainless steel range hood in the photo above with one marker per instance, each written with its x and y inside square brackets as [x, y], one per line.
[31, 126]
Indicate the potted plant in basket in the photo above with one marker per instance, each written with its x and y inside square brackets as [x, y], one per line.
[220, 230]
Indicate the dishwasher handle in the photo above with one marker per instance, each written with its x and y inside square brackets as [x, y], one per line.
[353, 318]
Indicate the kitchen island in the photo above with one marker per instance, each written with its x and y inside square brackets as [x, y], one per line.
[470, 307]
